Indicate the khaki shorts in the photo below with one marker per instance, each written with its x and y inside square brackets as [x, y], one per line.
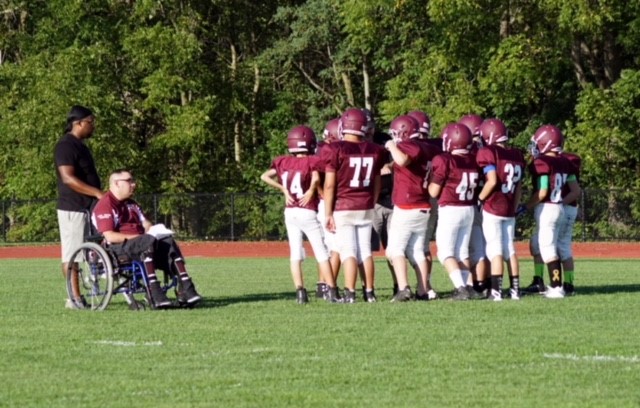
[72, 226]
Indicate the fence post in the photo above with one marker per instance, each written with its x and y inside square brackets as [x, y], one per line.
[4, 221]
[233, 216]
[155, 207]
[582, 216]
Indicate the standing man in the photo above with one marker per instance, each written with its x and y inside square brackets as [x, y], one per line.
[78, 186]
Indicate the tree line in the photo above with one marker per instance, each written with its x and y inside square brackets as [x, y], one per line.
[197, 96]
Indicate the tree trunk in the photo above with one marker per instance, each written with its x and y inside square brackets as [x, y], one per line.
[236, 126]
[365, 80]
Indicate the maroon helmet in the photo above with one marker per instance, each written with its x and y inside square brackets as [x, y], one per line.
[547, 138]
[493, 131]
[423, 120]
[353, 122]
[456, 136]
[301, 139]
[473, 122]
[330, 133]
[404, 127]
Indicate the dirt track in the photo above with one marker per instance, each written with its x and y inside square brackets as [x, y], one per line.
[594, 250]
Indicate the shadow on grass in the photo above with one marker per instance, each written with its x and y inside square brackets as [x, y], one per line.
[607, 289]
[248, 298]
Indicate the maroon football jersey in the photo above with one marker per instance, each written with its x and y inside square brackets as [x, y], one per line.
[295, 173]
[411, 182]
[111, 214]
[558, 168]
[509, 166]
[577, 163]
[458, 175]
[356, 165]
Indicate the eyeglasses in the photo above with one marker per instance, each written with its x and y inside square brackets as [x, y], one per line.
[129, 180]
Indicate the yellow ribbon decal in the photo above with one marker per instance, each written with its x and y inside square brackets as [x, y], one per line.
[556, 275]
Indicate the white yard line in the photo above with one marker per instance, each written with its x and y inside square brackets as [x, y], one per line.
[121, 343]
[596, 358]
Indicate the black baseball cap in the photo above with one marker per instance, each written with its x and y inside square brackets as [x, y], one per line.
[78, 112]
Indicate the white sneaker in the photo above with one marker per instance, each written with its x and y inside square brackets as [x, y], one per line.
[554, 293]
[495, 295]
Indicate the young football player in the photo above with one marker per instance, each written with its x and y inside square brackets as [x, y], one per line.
[503, 168]
[296, 176]
[454, 181]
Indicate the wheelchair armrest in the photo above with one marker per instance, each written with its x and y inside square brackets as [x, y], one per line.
[97, 238]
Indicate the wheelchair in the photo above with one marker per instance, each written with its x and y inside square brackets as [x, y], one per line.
[100, 274]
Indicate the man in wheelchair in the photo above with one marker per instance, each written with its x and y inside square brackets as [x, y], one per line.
[124, 226]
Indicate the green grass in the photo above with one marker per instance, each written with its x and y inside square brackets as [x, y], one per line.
[251, 345]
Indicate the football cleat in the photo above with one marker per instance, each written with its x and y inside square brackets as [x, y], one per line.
[404, 295]
[349, 296]
[301, 296]
[569, 289]
[460, 293]
[554, 293]
[536, 287]
[495, 295]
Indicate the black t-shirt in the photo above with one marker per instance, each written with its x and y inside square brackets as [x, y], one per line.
[386, 180]
[71, 151]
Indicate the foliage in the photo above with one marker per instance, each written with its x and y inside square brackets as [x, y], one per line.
[196, 96]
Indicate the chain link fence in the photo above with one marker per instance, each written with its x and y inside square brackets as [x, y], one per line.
[605, 215]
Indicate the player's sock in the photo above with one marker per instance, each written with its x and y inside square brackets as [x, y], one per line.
[515, 282]
[538, 270]
[456, 278]
[568, 277]
[496, 283]
[555, 273]
[150, 269]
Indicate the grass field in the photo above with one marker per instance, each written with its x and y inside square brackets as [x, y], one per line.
[251, 345]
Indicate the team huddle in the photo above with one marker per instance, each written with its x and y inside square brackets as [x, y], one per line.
[357, 188]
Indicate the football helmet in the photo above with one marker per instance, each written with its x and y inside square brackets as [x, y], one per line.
[404, 127]
[353, 122]
[473, 122]
[456, 136]
[423, 121]
[301, 139]
[330, 133]
[547, 138]
[493, 131]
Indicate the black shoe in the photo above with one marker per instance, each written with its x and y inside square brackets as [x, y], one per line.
[474, 294]
[321, 288]
[536, 287]
[569, 289]
[460, 293]
[370, 297]
[349, 296]
[187, 294]
[403, 295]
[421, 298]
[331, 295]
[159, 299]
[301, 296]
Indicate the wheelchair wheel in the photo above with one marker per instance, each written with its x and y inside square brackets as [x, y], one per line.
[93, 277]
